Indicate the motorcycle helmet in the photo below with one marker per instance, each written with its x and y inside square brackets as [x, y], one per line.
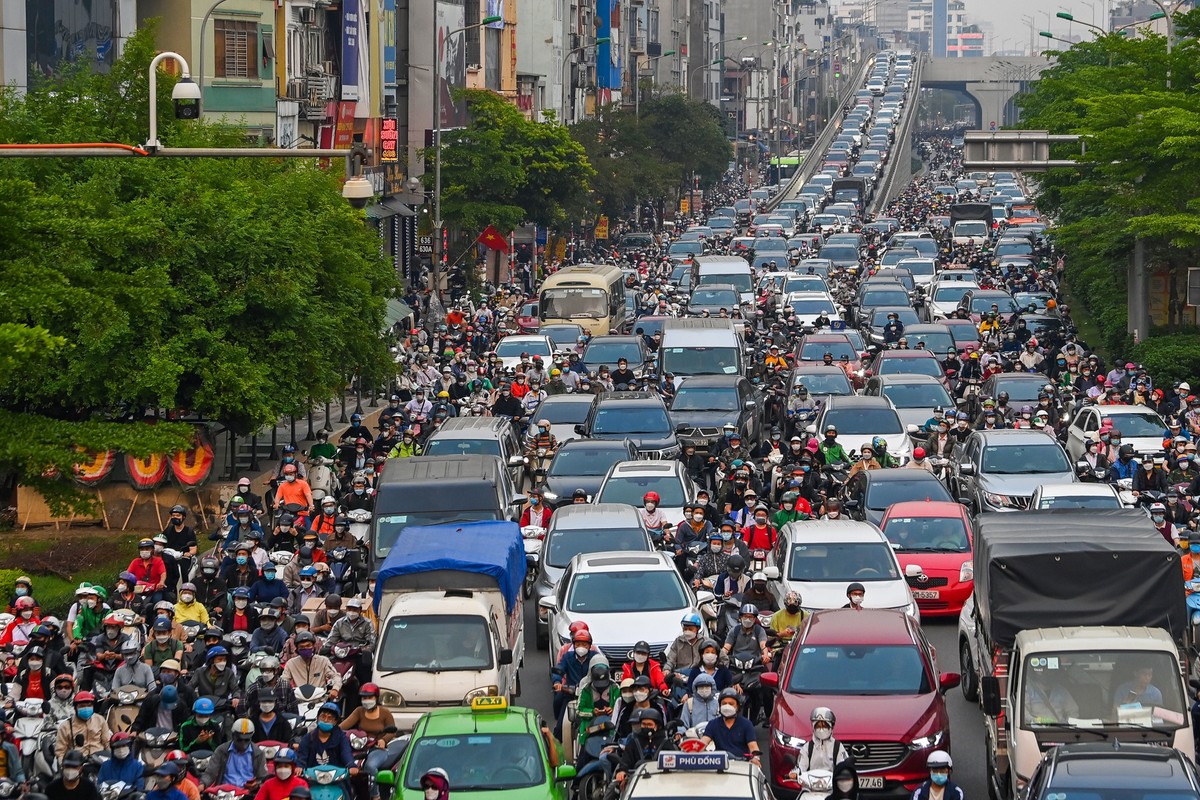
[939, 759]
[651, 497]
[735, 565]
[285, 755]
[368, 690]
[691, 618]
[748, 609]
[84, 697]
[213, 652]
[822, 714]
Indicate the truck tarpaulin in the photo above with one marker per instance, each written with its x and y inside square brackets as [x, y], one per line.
[479, 556]
[1046, 569]
[960, 212]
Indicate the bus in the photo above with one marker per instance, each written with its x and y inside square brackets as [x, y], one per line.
[782, 168]
[589, 295]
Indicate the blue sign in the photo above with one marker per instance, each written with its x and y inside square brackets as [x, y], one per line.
[388, 25]
[837, 325]
[712, 761]
[351, 41]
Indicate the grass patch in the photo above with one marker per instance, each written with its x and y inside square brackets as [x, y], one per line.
[1089, 331]
[58, 561]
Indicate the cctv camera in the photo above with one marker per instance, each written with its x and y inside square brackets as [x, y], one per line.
[358, 192]
[186, 96]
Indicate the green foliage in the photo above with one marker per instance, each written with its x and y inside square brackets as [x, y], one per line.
[235, 289]
[1170, 358]
[504, 170]
[653, 154]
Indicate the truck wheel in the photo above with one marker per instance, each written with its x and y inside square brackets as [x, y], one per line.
[970, 680]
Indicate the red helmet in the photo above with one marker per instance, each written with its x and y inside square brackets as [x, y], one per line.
[581, 637]
[360, 440]
[368, 690]
[118, 738]
[651, 497]
[84, 697]
[578, 625]
[290, 469]
[24, 602]
[919, 453]
[113, 619]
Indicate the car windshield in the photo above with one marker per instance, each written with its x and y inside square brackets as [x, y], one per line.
[770, 244]
[885, 297]
[919, 266]
[1137, 688]
[685, 248]
[982, 303]
[563, 545]
[388, 528]
[573, 303]
[462, 447]
[964, 333]
[917, 395]
[840, 252]
[882, 494]
[714, 297]
[857, 420]
[1024, 459]
[906, 316]
[562, 335]
[631, 489]
[831, 382]
[706, 398]
[434, 644]
[859, 670]
[927, 534]
[1140, 425]
[621, 418]
[842, 562]
[805, 283]
[1109, 500]
[816, 305]
[909, 366]
[951, 293]
[584, 461]
[562, 413]
[1021, 392]
[611, 352]
[700, 360]
[815, 351]
[478, 762]
[529, 310]
[935, 341]
[626, 592]
[971, 228]
[512, 348]
[740, 281]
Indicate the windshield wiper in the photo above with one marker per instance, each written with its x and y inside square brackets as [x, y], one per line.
[1076, 729]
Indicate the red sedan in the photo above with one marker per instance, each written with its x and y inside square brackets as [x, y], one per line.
[932, 540]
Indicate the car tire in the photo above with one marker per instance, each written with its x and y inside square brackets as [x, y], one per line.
[966, 668]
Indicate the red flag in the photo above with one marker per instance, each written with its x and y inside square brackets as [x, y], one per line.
[492, 240]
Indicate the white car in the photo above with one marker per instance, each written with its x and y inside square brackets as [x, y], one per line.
[625, 598]
[1054, 496]
[1140, 426]
[860, 419]
[810, 305]
[628, 481]
[820, 558]
[943, 297]
[923, 269]
[510, 349]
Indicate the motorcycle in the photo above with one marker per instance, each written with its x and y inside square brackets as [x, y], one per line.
[747, 670]
[327, 782]
[109, 790]
[817, 784]
[539, 465]
[127, 702]
[308, 702]
[29, 729]
[532, 536]
[595, 767]
[225, 791]
[344, 567]
[379, 765]
[321, 476]
[345, 658]
[360, 523]
[155, 744]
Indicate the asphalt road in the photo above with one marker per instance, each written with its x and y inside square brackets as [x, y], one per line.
[966, 721]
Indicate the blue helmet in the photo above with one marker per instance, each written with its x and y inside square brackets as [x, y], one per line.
[333, 707]
[214, 651]
[285, 754]
[691, 618]
[204, 707]
[308, 572]
[242, 591]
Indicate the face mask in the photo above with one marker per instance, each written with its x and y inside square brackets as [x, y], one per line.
[129, 659]
[359, 490]
[85, 713]
[834, 514]
[325, 725]
[651, 506]
[1157, 518]
[146, 553]
[698, 517]
[36, 666]
[704, 692]
[306, 582]
[728, 711]
[305, 652]
[627, 697]
[640, 658]
[431, 794]
[747, 623]
[241, 560]
[939, 778]
[822, 734]
[856, 599]
[167, 678]
[641, 695]
[27, 614]
[760, 521]
[220, 665]
[844, 786]
[792, 609]
[709, 659]
[121, 588]
[353, 615]
[71, 773]
[290, 478]
[120, 753]
[689, 635]
[369, 703]
[202, 721]
[267, 624]
[581, 652]
[283, 773]
[63, 694]
[241, 603]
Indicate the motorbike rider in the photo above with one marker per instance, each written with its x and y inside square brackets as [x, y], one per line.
[370, 717]
[218, 678]
[787, 621]
[856, 593]
[760, 534]
[407, 447]
[733, 732]
[941, 444]
[919, 461]
[358, 498]
[293, 490]
[122, 766]
[61, 703]
[643, 744]
[239, 761]
[354, 629]
[357, 429]
[310, 667]
[269, 586]
[507, 404]
[831, 450]
[641, 663]
[758, 595]
[866, 460]
[84, 730]
[702, 706]
[939, 786]
[150, 571]
[133, 672]
[597, 696]
[748, 636]
[270, 637]
[536, 512]
[1126, 466]
[326, 743]
[323, 521]
[33, 678]
[1151, 477]
[271, 686]
[182, 538]
[569, 671]
[285, 779]
[636, 695]
[683, 654]
[243, 616]
[650, 514]
[168, 707]
[72, 783]
[792, 508]
[240, 571]
[823, 751]
[306, 589]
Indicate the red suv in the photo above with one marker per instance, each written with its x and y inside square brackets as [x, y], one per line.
[877, 672]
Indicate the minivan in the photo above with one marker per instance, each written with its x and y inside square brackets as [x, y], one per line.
[488, 436]
[700, 347]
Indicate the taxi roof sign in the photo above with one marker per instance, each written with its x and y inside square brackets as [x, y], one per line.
[489, 704]
[709, 761]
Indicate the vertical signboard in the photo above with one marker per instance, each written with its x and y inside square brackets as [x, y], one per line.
[389, 140]
[351, 42]
[387, 24]
[608, 54]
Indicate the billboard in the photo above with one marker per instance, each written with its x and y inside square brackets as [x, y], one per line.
[387, 24]
[452, 61]
[608, 54]
[351, 44]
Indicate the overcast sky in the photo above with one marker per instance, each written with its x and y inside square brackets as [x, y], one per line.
[1009, 32]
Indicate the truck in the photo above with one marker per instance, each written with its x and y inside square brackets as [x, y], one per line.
[970, 223]
[851, 190]
[448, 598]
[1076, 631]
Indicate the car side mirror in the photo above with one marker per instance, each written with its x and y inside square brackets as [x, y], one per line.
[913, 571]
[516, 461]
[385, 777]
[518, 499]
[948, 680]
[772, 573]
[564, 772]
[912, 429]
[549, 603]
[966, 468]
[989, 693]
[769, 680]
[506, 657]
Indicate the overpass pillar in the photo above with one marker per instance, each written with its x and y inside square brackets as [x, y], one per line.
[992, 99]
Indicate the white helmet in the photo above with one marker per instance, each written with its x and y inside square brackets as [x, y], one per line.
[939, 758]
[822, 714]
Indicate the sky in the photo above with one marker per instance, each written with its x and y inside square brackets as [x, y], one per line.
[1009, 32]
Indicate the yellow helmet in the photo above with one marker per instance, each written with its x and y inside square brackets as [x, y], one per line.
[554, 373]
[443, 393]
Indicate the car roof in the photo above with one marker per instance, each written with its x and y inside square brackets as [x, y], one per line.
[460, 720]
[902, 475]
[642, 468]
[1076, 490]
[622, 561]
[615, 445]
[471, 427]
[563, 399]
[826, 531]
[908, 378]
[729, 381]
[912, 353]
[640, 398]
[926, 509]
[845, 626]
[1014, 437]
[1109, 766]
[589, 515]
[858, 401]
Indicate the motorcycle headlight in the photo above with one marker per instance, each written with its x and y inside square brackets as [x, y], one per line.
[966, 572]
[927, 742]
[325, 777]
[482, 691]
[791, 742]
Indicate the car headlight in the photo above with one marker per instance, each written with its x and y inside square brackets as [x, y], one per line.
[392, 698]
[1002, 500]
[966, 572]
[927, 742]
[791, 742]
[482, 691]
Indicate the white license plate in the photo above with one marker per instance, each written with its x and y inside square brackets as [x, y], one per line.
[926, 594]
[870, 781]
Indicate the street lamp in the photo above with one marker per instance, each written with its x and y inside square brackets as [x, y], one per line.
[637, 88]
[1069, 18]
[437, 152]
[569, 103]
[186, 95]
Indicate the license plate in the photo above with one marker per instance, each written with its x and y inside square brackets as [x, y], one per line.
[926, 594]
[870, 781]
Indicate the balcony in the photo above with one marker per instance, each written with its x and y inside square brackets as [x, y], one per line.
[637, 45]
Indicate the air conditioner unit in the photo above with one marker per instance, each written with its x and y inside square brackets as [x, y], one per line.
[654, 49]
[308, 16]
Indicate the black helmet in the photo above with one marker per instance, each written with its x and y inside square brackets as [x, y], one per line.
[73, 758]
[178, 509]
[856, 587]
[1126, 451]
[735, 563]
[730, 692]
[579, 493]
[650, 715]
[600, 675]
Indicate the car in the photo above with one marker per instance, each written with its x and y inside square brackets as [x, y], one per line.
[869, 493]
[713, 298]
[794, 282]
[510, 348]
[874, 320]
[936, 338]
[1106, 769]
[697, 776]
[582, 464]
[486, 745]
[625, 598]
[913, 396]
[861, 419]
[907, 362]
[933, 539]
[564, 412]
[965, 333]
[808, 306]
[638, 416]
[923, 269]
[1140, 426]
[585, 528]
[563, 335]
[977, 302]
[605, 351]
[704, 404]
[1051, 496]
[649, 325]
[881, 292]
[943, 296]
[820, 558]
[527, 318]
[629, 481]
[822, 381]
[880, 673]
[1000, 470]
[1022, 388]
[487, 436]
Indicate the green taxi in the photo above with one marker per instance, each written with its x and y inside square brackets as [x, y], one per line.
[490, 751]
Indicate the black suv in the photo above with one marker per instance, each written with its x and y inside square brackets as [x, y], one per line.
[704, 404]
[1113, 770]
[639, 417]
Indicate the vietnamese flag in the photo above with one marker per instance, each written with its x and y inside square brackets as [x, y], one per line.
[492, 240]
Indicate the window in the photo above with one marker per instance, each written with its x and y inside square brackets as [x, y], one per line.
[236, 48]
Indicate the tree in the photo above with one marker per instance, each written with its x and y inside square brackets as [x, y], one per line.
[504, 170]
[232, 289]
